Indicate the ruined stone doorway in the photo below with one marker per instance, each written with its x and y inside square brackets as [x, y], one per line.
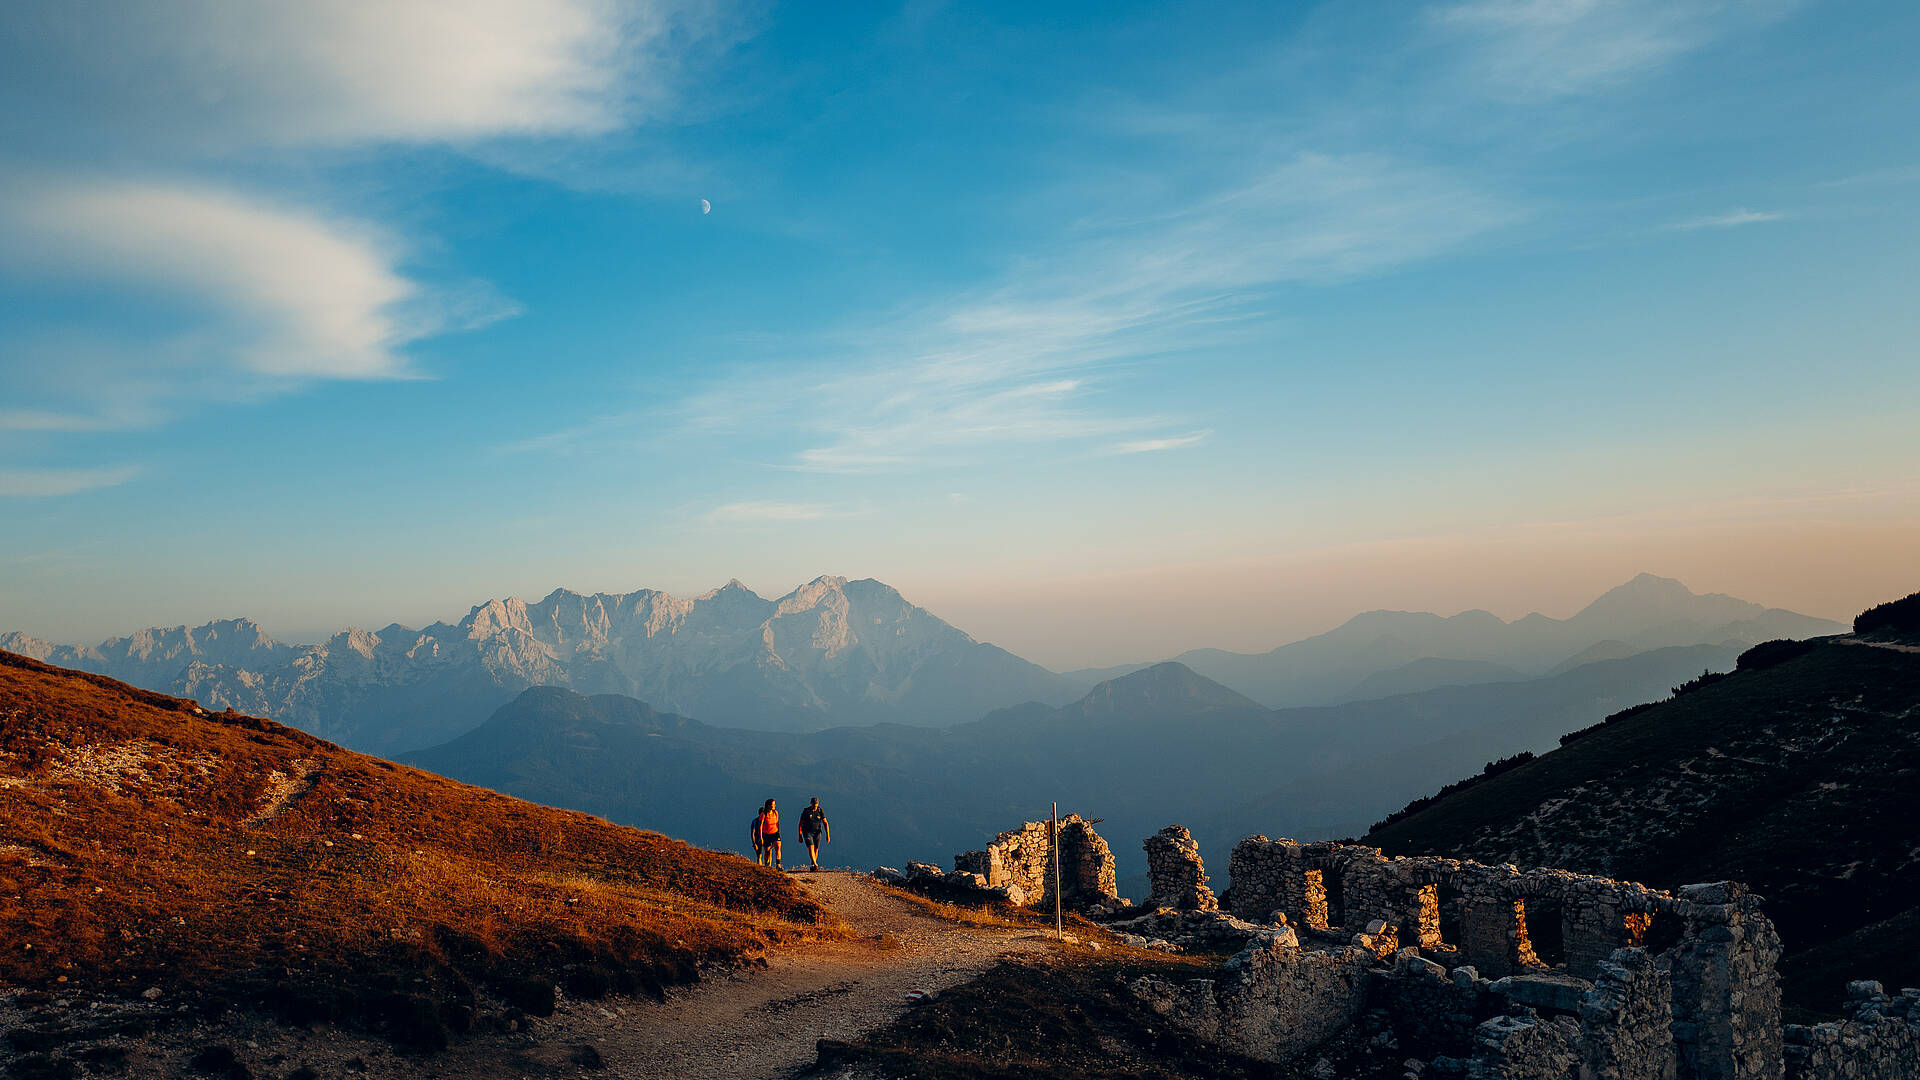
[1655, 932]
[1544, 931]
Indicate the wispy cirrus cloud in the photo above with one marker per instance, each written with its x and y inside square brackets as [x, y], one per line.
[56, 420]
[28, 483]
[1730, 220]
[1551, 49]
[750, 513]
[1023, 363]
[1149, 446]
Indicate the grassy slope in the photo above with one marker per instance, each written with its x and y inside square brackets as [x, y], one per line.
[129, 856]
[1802, 779]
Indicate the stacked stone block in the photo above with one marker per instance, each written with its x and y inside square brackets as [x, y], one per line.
[1178, 876]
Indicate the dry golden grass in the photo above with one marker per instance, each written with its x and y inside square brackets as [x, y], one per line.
[143, 841]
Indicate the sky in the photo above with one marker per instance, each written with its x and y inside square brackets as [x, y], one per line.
[1104, 331]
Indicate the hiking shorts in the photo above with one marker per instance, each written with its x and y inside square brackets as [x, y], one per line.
[769, 839]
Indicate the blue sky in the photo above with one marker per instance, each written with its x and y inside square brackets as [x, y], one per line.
[1104, 331]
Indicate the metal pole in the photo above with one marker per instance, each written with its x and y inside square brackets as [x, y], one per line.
[1059, 927]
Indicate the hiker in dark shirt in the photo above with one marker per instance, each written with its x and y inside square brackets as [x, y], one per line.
[814, 830]
[753, 833]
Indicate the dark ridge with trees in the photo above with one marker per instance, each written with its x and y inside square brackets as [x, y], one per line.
[1491, 770]
[1705, 678]
[1895, 617]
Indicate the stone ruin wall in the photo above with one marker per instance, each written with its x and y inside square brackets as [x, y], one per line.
[1719, 948]
[1479, 972]
[1021, 862]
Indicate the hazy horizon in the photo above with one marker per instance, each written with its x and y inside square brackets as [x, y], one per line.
[1041, 628]
[1103, 332]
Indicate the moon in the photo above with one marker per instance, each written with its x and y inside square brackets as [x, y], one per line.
[706, 207]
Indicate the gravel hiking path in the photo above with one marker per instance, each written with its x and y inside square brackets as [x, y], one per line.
[1888, 645]
[759, 1023]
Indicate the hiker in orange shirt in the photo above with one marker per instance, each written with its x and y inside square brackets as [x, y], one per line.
[770, 836]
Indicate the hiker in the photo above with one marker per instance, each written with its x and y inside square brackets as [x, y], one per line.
[770, 835]
[814, 830]
[753, 833]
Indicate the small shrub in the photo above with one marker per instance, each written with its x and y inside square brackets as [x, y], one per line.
[1706, 678]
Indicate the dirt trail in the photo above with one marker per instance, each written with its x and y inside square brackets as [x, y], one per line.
[1882, 645]
[763, 1023]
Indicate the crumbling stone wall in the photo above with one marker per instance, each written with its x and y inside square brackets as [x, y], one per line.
[1725, 1001]
[1271, 1001]
[1434, 1012]
[1021, 861]
[1178, 876]
[1880, 1040]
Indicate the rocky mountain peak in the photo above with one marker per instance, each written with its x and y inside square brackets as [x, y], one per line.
[1169, 684]
[1649, 598]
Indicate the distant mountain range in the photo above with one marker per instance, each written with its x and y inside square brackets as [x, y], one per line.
[1159, 745]
[1406, 651]
[836, 652]
[831, 652]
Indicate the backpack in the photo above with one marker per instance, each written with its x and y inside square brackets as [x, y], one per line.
[811, 819]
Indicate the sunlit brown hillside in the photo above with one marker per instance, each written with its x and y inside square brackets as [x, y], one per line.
[144, 842]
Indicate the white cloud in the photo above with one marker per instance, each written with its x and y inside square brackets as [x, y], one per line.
[741, 513]
[20, 483]
[117, 115]
[1147, 446]
[1732, 219]
[217, 73]
[295, 294]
